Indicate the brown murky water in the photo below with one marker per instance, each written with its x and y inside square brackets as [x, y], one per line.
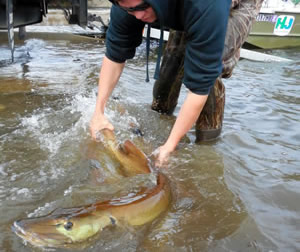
[239, 193]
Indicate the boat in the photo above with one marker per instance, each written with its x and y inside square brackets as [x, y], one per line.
[277, 25]
[244, 52]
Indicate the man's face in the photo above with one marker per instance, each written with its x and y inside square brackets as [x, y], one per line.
[148, 15]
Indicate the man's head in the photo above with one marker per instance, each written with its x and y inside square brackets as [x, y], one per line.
[138, 8]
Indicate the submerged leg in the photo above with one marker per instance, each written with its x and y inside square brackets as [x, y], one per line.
[209, 123]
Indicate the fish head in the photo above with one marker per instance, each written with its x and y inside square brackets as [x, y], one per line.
[61, 231]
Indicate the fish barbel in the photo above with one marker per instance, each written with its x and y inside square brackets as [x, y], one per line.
[66, 227]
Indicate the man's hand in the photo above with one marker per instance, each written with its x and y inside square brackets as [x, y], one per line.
[99, 122]
[187, 116]
[162, 155]
[109, 76]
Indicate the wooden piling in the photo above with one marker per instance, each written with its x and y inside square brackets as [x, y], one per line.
[166, 89]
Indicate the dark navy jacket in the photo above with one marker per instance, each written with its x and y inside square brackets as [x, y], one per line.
[205, 23]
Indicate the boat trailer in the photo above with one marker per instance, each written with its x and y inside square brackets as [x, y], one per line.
[20, 13]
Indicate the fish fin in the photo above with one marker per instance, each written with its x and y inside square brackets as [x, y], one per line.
[130, 149]
[136, 154]
[108, 134]
[124, 226]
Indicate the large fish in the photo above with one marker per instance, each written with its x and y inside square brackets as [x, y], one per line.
[66, 227]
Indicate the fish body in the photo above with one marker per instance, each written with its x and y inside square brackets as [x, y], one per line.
[65, 227]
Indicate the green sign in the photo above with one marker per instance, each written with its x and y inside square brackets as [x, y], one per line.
[295, 1]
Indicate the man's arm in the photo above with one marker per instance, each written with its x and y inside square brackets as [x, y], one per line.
[202, 66]
[109, 76]
[187, 116]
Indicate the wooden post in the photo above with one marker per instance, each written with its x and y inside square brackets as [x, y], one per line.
[167, 87]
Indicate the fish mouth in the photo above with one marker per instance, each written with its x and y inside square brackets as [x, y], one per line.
[26, 236]
[39, 240]
[18, 230]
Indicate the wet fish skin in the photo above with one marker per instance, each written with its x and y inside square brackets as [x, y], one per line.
[133, 160]
[65, 227]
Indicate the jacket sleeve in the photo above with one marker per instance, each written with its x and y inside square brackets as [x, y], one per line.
[124, 34]
[205, 43]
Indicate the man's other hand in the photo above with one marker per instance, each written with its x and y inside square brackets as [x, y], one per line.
[99, 122]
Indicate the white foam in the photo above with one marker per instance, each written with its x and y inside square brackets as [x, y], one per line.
[2, 170]
[24, 191]
[40, 210]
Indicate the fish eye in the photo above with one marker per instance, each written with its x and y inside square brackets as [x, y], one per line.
[68, 225]
[112, 220]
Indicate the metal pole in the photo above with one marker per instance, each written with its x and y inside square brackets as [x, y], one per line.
[10, 27]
